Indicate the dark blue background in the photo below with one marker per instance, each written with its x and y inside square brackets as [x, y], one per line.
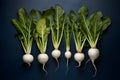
[11, 64]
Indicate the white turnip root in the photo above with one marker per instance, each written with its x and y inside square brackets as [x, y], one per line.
[43, 59]
[56, 54]
[41, 38]
[68, 56]
[93, 54]
[28, 58]
[79, 57]
[25, 31]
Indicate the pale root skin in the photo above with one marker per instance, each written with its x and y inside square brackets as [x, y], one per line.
[93, 54]
[43, 59]
[68, 56]
[79, 57]
[28, 58]
[56, 54]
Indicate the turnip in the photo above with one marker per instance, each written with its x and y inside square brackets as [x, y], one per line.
[57, 21]
[68, 30]
[92, 27]
[68, 55]
[43, 59]
[56, 54]
[79, 38]
[79, 57]
[79, 42]
[93, 53]
[28, 58]
[41, 38]
[25, 31]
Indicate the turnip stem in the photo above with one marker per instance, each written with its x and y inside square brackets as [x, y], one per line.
[29, 64]
[87, 61]
[94, 68]
[79, 64]
[57, 64]
[67, 66]
[67, 63]
[43, 67]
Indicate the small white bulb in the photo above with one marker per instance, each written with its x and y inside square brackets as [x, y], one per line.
[56, 53]
[79, 57]
[28, 58]
[68, 54]
[93, 53]
[42, 58]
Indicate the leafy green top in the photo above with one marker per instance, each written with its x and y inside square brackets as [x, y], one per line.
[68, 30]
[79, 38]
[41, 35]
[25, 29]
[93, 26]
[57, 22]
[42, 28]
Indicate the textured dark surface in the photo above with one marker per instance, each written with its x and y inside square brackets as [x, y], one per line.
[11, 64]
